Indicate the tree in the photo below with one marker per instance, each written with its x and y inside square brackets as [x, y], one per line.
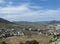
[3, 42]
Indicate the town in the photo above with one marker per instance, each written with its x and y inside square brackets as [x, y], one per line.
[48, 30]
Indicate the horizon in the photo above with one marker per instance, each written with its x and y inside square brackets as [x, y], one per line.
[35, 21]
[30, 21]
[30, 10]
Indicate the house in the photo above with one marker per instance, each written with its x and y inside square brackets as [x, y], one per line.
[21, 33]
[40, 33]
[38, 29]
[55, 33]
[57, 27]
[12, 29]
[30, 29]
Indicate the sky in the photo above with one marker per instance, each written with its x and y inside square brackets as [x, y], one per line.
[30, 10]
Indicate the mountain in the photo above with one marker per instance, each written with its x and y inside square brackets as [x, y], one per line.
[40, 22]
[54, 22]
[4, 21]
[23, 22]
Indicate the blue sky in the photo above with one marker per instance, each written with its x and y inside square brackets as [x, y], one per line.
[30, 10]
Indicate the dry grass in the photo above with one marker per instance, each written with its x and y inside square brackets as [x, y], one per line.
[17, 40]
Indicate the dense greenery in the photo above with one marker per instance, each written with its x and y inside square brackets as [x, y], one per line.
[54, 36]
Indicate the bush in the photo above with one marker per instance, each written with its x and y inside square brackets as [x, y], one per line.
[21, 43]
[50, 41]
[27, 42]
[3, 42]
[32, 42]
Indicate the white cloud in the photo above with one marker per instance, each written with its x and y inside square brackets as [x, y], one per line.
[10, 3]
[2, 1]
[13, 9]
[23, 12]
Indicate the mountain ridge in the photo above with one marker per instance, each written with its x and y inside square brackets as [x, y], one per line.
[39, 22]
[2, 20]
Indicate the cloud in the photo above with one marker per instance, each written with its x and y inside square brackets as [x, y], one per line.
[24, 13]
[10, 3]
[11, 9]
[2, 1]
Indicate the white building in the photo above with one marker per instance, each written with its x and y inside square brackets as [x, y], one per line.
[57, 27]
[30, 29]
[20, 33]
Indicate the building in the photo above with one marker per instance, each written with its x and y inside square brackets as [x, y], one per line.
[57, 27]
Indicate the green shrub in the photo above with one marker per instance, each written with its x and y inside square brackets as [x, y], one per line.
[27, 42]
[21, 43]
[50, 41]
[3, 42]
[32, 42]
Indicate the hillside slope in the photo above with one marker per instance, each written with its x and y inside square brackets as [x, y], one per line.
[4, 21]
